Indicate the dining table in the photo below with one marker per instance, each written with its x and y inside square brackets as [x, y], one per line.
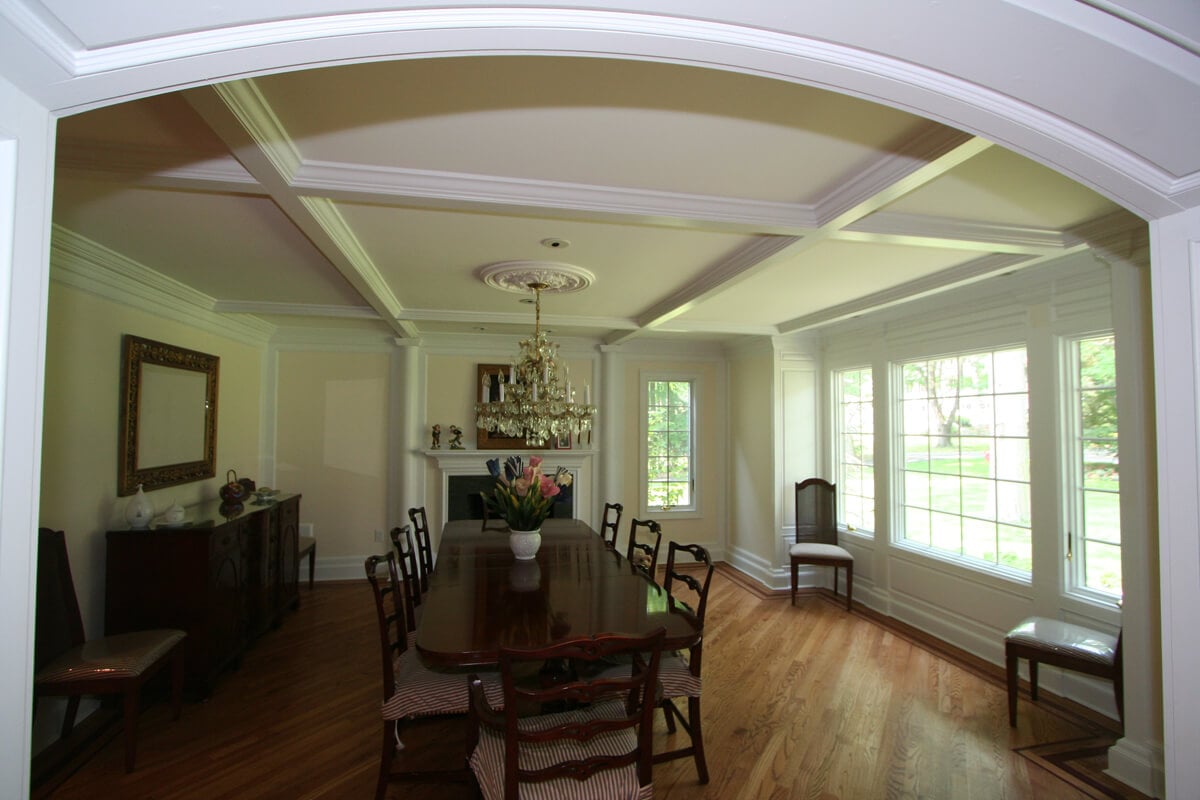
[482, 598]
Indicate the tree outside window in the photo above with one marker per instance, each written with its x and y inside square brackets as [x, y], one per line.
[1095, 525]
[669, 444]
[964, 455]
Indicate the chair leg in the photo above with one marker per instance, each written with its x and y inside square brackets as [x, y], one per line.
[849, 585]
[697, 738]
[133, 703]
[69, 717]
[385, 760]
[668, 717]
[312, 566]
[1010, 672]
[795, 580]
[1033, 670]
[178, 674]
[1119, 693]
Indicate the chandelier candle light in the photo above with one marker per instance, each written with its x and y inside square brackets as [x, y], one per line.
[534, 400]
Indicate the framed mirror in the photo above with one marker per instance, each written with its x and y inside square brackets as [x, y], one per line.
[168, 415]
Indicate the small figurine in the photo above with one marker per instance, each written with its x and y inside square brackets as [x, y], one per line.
[437, 437]
[456, 438]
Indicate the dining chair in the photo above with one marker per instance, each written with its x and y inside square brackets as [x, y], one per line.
[640, 553]
[410, 689]
[67, 664]
[600, 746]
[406, 559]
[610, 525]
[1066, 646]
[679, 675]
[816, 535]
[420, 525]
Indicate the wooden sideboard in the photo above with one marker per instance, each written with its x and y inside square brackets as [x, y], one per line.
[223, 577]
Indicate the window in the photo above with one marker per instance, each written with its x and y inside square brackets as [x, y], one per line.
[964, 455]
[1094, 526]
[670, 445]
[855, 445]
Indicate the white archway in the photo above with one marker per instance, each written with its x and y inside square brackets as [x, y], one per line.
[744, 41]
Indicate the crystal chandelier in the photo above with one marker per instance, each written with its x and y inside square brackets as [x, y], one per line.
[535, 402]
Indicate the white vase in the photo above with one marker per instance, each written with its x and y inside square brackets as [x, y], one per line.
[525, 544]
[139, 510]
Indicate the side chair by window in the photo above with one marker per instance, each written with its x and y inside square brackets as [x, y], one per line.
[1067, 646]
[599, 747]
[610, 523]
[641, 553]
[66, 664]
[410, 689]
[687, 593]
[816, 535]
[420, 525]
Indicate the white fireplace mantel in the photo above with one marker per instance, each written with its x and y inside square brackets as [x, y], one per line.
[474, 462]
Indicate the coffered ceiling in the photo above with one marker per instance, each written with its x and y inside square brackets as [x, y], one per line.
[706, 204]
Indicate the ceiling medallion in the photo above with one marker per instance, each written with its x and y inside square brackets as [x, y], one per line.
[553, 277]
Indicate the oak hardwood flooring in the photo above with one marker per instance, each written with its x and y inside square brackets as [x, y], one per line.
[800, 702]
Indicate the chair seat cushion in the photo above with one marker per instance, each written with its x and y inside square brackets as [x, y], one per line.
[676, 678]
[815, 550]
[1064, 638]
[125, 655]
[487, 760]
[423, 692]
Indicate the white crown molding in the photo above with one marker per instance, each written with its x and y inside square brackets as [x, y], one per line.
[246, 102]
[79, 262]
[294, 309]
[143, 165]
[361, 183]
[975, 235]
[550, 321]
[331, 340]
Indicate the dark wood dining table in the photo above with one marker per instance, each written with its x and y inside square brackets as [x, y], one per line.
[481, 598]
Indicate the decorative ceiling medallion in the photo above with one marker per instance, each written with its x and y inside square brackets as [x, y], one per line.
[556, 278]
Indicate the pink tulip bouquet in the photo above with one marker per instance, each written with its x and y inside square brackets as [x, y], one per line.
[524, 496]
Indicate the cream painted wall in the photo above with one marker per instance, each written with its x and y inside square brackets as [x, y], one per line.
[707, 527]
[752, 478]
[79, 445]
[331, 434]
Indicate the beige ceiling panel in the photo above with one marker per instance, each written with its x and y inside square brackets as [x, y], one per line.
[432, 258]
[230, 247]
[1002, 187]
[587, 121]
[826, 275]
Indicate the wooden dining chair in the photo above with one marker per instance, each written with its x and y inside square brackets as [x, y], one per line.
[816, 535]
[679, 675]
[420, 525]
[410, 689]
[600, 746]
[640, 552]
[406, 560]
[66, 664]
[610, 523]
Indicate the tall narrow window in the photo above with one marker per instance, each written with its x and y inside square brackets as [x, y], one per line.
[855, 444]
[964, 455]
[1095, 510]
[670, 445]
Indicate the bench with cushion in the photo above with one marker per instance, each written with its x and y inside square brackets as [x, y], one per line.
[1065, 645]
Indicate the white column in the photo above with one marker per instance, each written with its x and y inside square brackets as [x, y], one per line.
[406, 466]
[1175, 259]
[26, 172]
[609, 410]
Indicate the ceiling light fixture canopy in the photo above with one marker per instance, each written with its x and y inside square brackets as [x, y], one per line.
[536, 399]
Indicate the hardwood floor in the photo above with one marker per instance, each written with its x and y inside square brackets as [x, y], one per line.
[800, 702]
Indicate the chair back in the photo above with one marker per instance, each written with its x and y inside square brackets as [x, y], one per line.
[406, 558]
[420, 525]
[610, 523]
[643, 548]
[393, 629]
[816, 512]
[633, 703]
[58, 622]
[687, 591]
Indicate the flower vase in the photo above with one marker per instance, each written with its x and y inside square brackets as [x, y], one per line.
[525, 544]
[139, 511]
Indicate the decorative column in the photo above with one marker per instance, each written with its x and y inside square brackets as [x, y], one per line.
[406, 466]
[612, 461]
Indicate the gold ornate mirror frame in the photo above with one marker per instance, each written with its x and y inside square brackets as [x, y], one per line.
[168, 415]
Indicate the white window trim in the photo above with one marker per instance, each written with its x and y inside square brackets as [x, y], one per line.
[1072, 569]
[867, 534]
[691, 511]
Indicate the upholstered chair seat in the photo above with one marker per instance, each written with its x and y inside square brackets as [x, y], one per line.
[126, 655]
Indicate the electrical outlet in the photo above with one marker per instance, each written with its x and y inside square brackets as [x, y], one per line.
[379, 536]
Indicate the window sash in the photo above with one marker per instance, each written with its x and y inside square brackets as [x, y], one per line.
[669, 440]
[854, 448]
